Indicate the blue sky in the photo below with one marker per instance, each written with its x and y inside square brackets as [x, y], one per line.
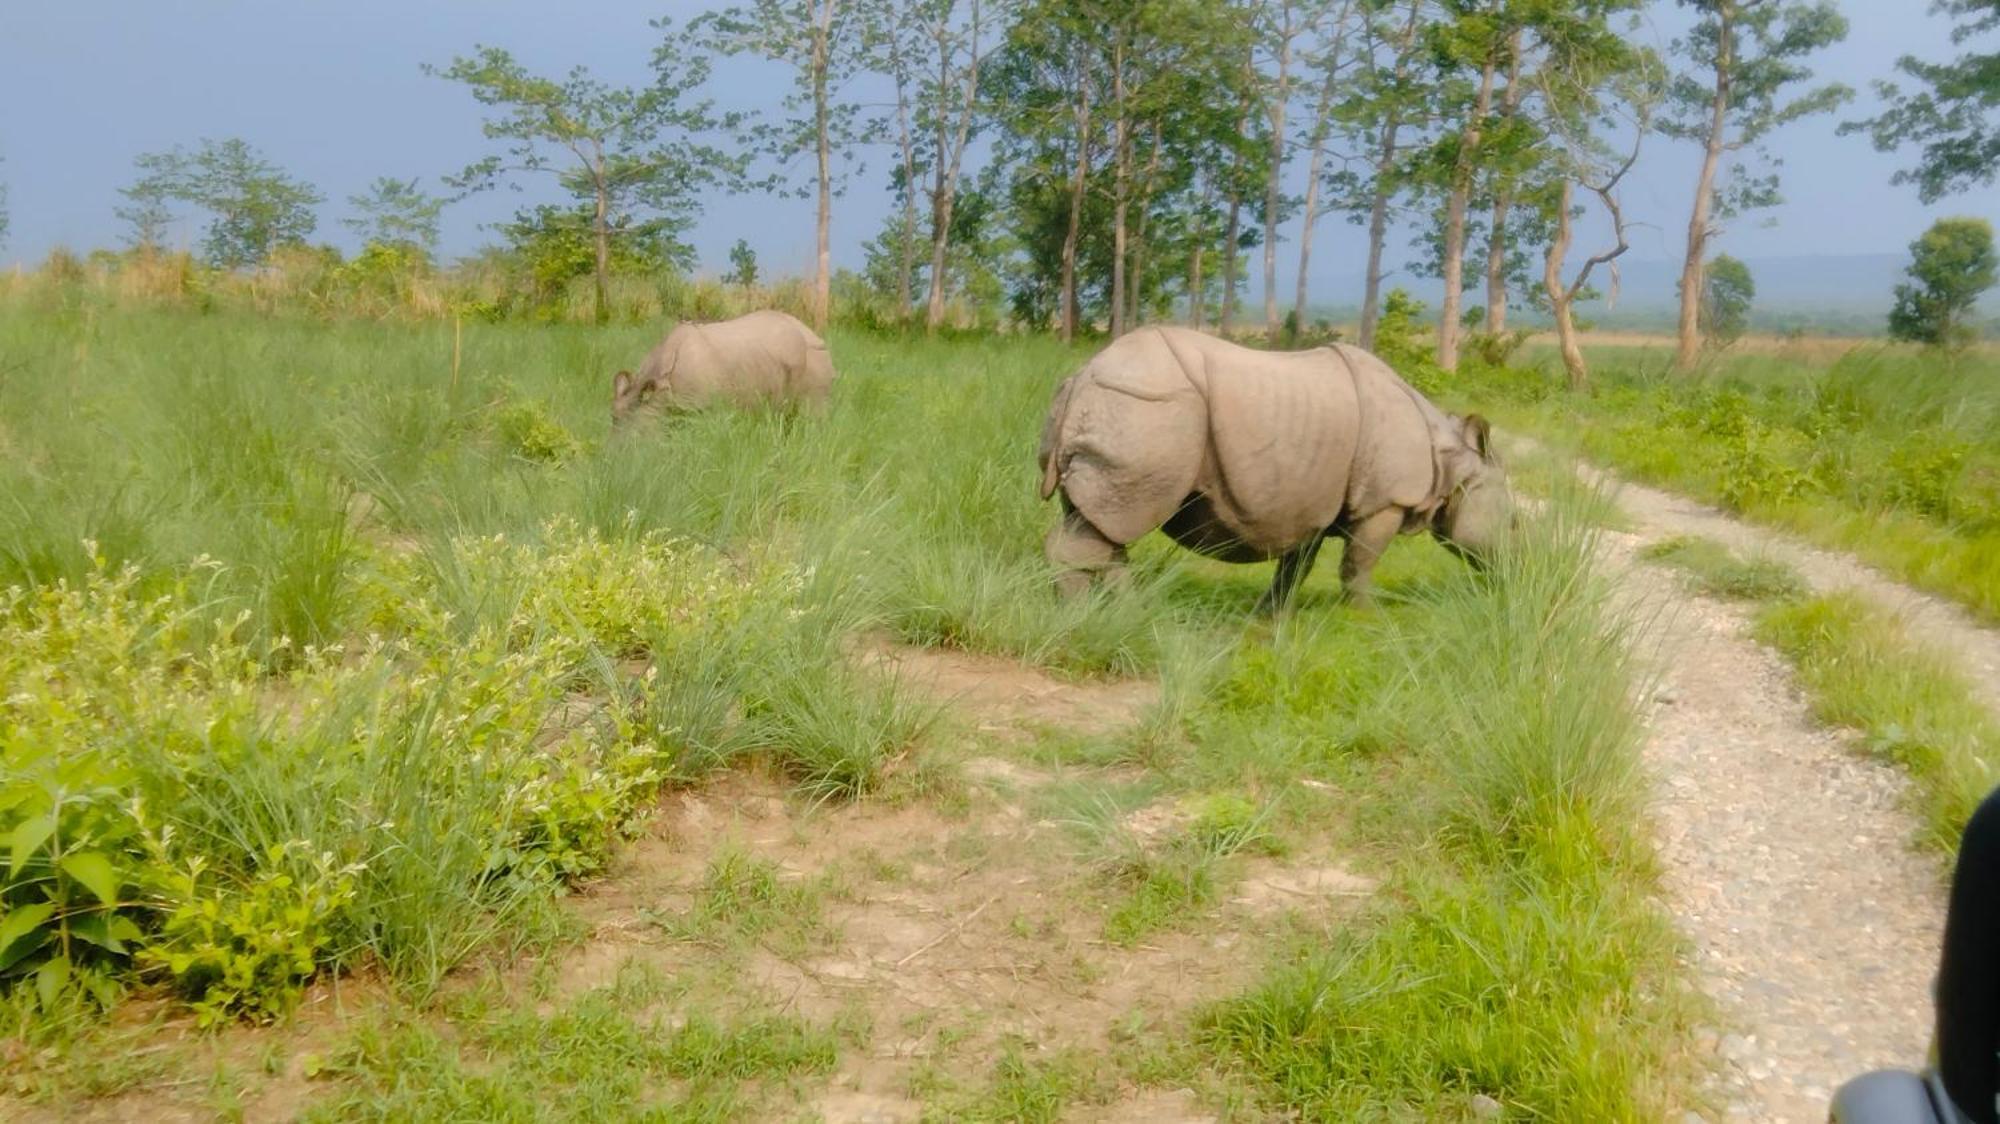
[334, 92]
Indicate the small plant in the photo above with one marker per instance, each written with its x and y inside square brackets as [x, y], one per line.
[1950, 266]
[745, 898]
[1716, 570]
[531, 434]
[743, 265]
[247, 951]
[1726, 292]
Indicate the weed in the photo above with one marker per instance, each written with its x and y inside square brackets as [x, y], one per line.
[746, 899]
[1717, 571]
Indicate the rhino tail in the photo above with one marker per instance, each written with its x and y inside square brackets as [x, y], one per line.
[1050, 453]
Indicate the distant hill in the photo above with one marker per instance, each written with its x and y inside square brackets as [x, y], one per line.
[1832, 293]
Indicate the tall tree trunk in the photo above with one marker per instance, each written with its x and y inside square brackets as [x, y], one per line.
[1070, 309]
[1197, 299]
[823, 274]
[1454, 220]
[906, 268]
[1306, 238]
[1385, 164]
[1496, 265]
[1231, 236]
[1704, 191]
[1503, 202]
[601, 227]
[1322, 129]
[948, 170]
[1276, 171]
[1560, 298]
[1135, 290]
[1378, 232]
[1122, 163]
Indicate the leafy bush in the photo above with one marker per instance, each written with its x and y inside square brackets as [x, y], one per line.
[248, 950]
[171, 805]
[529, 433]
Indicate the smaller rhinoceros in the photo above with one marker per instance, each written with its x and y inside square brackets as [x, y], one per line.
[762, 357]
[1248, 455]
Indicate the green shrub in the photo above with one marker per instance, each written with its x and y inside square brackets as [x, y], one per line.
[529, 433]
[249, 950]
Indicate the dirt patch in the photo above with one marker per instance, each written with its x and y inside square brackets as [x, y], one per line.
[1009, 699]
[1272, 888]
[953, 938]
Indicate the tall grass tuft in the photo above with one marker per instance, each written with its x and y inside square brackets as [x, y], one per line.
[1518, 955]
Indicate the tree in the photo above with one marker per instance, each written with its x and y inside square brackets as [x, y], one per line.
[1478, 38]
[1951, 120]
[1725, 307]
[1386, 104]
[1285, 28]
[396, 212]
[253, 206]
[1950, 266]
[147, 215]
[1330, 60]
[743, 265]
[1599, 85]
[1168, 61]
[934, 52]
[892, 45]
[624, 153]
[557, 245]
[1743, 56]
[820, 41]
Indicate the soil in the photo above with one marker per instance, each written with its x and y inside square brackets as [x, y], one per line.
[956, 935]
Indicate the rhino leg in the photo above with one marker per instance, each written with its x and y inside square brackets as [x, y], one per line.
[1366, 541]
[1293, 567]
[1081, 554]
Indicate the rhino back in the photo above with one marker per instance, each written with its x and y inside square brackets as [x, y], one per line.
[1283, 430]
[1395, 462]
[750, 357]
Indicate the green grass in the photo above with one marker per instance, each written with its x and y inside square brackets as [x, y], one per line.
[405, 655]
[743, 899]
[622, 1052]
[1861, 669]
[1517, 953]
[1716, 570]
[1891, 453]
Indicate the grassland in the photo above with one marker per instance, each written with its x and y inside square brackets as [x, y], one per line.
[1891, 453]
[330, 656]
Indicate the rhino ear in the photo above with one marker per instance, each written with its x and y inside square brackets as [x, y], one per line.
[621, 383]
[1478, 433]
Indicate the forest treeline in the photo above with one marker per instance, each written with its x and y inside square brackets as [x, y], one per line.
[1091, 165]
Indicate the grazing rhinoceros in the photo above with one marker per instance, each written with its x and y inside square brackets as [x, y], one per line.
[764, 356]
[1250, 455]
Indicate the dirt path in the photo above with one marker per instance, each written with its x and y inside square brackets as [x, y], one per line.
[1936, 621]
[1812, 923]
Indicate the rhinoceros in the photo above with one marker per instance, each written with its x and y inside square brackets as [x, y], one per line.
[762, 357]
[1248, 455]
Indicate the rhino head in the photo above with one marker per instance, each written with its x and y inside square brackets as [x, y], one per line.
[627, 395]
[1478, 508]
